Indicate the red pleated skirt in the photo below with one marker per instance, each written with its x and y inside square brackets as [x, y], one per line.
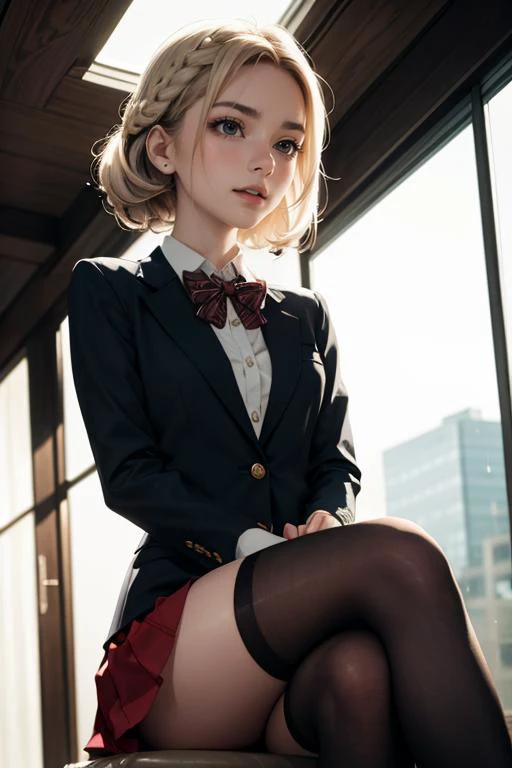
[129, 677]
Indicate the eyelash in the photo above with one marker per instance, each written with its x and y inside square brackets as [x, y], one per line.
[214, 124]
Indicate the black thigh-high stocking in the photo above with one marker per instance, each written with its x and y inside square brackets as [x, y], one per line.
[395, 582]
[339, 703]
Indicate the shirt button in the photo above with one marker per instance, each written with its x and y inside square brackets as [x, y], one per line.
[255, 416]
[235, 322]
[258, 471]
[249, 362]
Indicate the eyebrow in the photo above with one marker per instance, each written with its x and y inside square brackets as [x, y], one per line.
[251, 112]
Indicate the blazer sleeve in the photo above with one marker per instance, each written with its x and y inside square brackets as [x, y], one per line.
[333, 475]
[136, 477]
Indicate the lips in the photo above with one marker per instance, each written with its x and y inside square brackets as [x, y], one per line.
[254, 191]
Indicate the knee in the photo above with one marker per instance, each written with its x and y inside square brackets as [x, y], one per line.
[411, 562]
[343, 683]
[354, 674]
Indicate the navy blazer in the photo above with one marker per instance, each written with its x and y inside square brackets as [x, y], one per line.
[174, 447]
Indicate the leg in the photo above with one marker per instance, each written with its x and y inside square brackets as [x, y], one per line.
[391, 578]
[339, 703]
[214, 695]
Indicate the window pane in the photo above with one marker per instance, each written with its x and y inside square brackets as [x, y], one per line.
[96, 584]
[16, 493]
[407, 290]
[499, 113]
[77, 452]
[20, 692]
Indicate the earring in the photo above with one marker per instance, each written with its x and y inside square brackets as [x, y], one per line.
[166, 165]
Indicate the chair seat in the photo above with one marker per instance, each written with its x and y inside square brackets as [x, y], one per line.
[198, 758]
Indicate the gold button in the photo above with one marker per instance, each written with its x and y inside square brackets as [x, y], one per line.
[235, 322]
[255, 416]
[258, 471]
[249, 361]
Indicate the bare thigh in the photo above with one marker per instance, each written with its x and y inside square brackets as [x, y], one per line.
[214, 695]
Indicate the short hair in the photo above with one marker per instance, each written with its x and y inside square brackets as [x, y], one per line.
[195, 63]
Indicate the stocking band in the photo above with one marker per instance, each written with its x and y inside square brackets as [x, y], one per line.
[248, 627]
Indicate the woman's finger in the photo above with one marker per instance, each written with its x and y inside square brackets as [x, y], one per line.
[320, 521]
[290, 531]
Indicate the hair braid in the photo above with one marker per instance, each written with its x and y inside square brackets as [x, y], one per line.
[170, 85]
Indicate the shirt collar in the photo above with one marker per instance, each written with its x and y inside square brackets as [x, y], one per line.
[181, 257]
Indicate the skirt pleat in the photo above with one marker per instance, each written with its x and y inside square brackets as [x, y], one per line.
[130, 676]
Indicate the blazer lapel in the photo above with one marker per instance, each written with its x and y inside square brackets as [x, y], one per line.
[282, 337]
[173, 309]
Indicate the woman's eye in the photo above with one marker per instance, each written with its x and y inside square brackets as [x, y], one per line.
[288, 147]
[227, 127]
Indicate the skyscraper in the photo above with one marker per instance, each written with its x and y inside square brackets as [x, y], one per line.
[451, 481]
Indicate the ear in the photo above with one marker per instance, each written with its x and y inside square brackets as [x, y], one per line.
[160, 149]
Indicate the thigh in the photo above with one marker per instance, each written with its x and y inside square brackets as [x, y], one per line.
[213, 695]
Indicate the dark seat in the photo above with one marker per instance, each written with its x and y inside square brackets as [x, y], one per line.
[198, 758]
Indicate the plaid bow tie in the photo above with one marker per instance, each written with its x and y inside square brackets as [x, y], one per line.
[209, 295]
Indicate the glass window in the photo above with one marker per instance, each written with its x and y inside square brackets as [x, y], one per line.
[16, 491]
[506, 654]
[20, 695]
[503, 588]
[501, 552]
[77, 452]
[406, 286]
[96, 581]
[499, 125]
[20, 705]
[136, 36]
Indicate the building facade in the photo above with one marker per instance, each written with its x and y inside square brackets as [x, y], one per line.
[451, 481]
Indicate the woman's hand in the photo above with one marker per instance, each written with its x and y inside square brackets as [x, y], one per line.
[318, 521]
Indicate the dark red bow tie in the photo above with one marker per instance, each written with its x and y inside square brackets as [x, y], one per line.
[209, 295]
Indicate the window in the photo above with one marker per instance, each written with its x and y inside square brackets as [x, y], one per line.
[406, 286]
[20, 712]
[506, 654]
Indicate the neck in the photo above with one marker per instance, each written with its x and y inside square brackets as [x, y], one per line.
[218, 247]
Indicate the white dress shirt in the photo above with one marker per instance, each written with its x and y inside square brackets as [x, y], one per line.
[246, 349]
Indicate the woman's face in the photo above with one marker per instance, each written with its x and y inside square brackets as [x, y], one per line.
[251, 142]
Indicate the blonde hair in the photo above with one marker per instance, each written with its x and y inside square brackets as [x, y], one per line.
[199, 63]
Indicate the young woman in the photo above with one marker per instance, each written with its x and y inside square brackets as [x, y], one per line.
[214, 404]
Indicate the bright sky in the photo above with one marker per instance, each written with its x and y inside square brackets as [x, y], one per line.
[147, 23]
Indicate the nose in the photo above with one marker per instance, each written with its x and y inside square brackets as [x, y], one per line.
[263, 161]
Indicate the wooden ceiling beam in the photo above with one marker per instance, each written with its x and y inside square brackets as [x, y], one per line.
[83, 100]
[34, 185]
[59, 140]
[40, 42]
[444, 62]
[26, 225]
[361, 41]
[99, 234]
